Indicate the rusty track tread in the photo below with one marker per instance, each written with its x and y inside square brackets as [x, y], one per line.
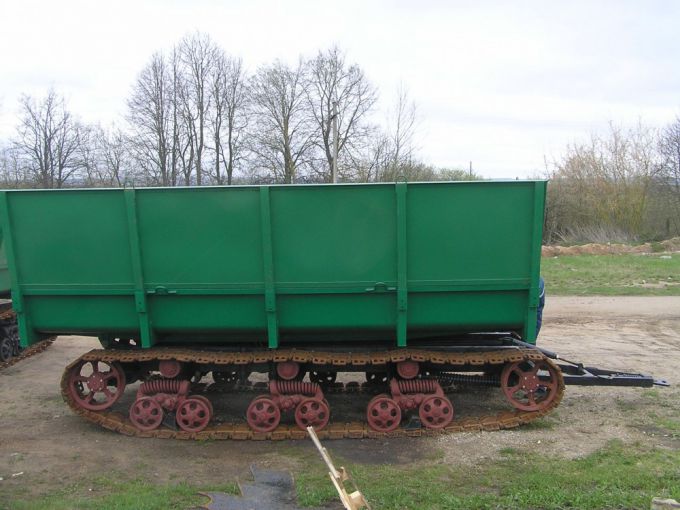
[355, 430]
[28, 352]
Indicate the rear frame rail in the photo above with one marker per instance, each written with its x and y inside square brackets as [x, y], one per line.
[580, 375]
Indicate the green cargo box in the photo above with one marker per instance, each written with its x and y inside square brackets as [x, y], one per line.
[331, 265]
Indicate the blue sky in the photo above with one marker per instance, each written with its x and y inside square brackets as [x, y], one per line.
[504, 84]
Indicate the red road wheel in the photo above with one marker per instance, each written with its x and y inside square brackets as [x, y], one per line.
[435, 412]
[312, 413]
[288, 370]
[146, 414]
[169, 368]
[408, 369]
[206, 401]
[96, 385]
[263, 415]
[530, 385]
[193, 415]
[383, 414]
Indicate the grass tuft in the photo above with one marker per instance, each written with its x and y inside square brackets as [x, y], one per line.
[619, 476]
[610, 275]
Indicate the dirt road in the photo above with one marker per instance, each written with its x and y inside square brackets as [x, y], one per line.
[40, 438]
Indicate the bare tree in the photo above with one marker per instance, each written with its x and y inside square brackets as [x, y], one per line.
[338, 89]
[283, 133]
[669, 181]
[403, 128]
[152, 120]
[229, 118]
[197, 54]
[115, 168]
[390, 155]
[48, 140]
[607, 182]
[12, 174]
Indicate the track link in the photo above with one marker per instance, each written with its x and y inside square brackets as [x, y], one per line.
[28, 352]
[119, 422]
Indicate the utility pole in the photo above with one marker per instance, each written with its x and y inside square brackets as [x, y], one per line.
[334, 171]
[470, 169]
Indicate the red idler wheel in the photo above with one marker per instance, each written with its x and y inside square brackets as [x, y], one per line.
[169, 368]
[312, 413]
[408, 369]
[288, 370]
[146, 414]
[383, 414]
[435, 412]
[193, 415]
[96, 385]
[263, 415]
[526, 389]
[322, 378]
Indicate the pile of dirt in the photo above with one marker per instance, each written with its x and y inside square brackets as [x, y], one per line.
[670, 245]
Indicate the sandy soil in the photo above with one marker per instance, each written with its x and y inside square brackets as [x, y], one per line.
[51, 447]
[670, 245]
[633, 334]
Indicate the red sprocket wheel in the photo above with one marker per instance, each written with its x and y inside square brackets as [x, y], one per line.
[435, 412]
[146, 414]
[263, 415]
[312, 413]
[95, 389]
[530, 385]
[383, 414]
[193, 415]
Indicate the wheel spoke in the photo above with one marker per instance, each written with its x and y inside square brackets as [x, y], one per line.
[94, 392]
[527, 398]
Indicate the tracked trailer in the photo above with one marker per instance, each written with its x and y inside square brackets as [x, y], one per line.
[418, 287]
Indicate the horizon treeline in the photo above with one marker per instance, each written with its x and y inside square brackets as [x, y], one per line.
[196, 117]
[619, 186]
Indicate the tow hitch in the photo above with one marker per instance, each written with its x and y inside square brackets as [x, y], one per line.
[578, 374]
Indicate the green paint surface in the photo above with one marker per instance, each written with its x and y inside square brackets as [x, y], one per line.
[387, 263]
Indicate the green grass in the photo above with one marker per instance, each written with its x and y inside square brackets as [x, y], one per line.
[619, 476]
[611, 274]
[105, 494]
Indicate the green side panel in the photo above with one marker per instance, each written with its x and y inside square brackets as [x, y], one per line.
[208, 314]
[200, 237]
[475, 233]
[69, 238]
[93, 315]
[334, 234]
[5, 282]
[269, 265]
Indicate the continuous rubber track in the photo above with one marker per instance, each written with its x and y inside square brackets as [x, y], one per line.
[356, 430]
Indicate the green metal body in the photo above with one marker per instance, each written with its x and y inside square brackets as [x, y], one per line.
[274, 265]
